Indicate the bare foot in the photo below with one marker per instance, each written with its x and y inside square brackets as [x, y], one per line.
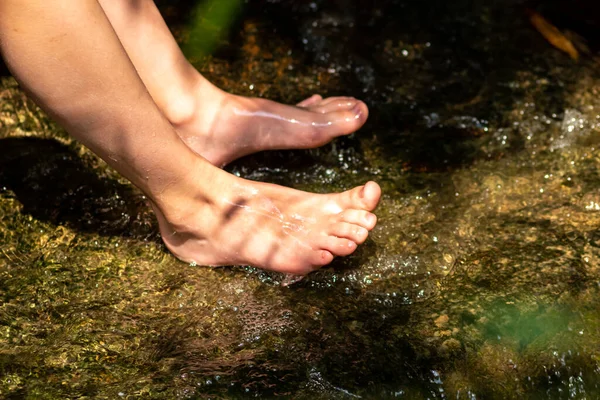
[219, 126]
[223, 127]
[241, 222]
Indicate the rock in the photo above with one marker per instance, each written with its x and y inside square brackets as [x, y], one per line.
[441, 321]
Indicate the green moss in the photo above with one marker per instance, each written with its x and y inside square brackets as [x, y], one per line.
[480, 279]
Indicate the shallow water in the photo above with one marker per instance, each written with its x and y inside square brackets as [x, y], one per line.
[480, 281]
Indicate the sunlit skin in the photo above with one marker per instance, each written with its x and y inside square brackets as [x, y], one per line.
[67, 55]
[270, 226]
[220, 126]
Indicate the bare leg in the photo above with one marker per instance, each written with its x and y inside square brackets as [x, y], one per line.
[219, 126]
[67, 56]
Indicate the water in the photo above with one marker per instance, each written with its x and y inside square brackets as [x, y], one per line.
[480, 281]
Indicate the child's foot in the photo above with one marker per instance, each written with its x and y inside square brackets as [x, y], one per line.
[223, 127]
[219, 126]
[240, 222]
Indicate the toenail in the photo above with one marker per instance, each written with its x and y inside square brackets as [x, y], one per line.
[357, 109]
[370, 219]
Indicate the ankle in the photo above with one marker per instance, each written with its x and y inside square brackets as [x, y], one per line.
[198, 189]
[180, 106]
[193, 102]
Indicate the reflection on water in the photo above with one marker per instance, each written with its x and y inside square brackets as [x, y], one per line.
[480, 281]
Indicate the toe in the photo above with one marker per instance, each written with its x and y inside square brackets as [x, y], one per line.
[341, 104]
[371, 195]
[344, 230]
[339, 246]
[337, 99]
[312, 100]
[326, 127]
[364, 197]
[358, 217]
[343, 122]
[322, 257]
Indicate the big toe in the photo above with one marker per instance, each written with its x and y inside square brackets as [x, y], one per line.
[371, 195]
[364, 197]
[341, 121]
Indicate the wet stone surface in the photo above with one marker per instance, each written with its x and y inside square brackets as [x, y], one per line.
[480, 281]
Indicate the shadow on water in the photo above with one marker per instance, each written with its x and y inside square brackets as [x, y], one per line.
[54, 184]
[4, 72]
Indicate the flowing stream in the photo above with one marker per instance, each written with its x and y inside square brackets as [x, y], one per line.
[481, 280]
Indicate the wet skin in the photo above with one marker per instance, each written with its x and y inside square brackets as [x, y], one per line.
[269, 226]
[135, 124]
[217, 125]
[257, 224]
[236, 126]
